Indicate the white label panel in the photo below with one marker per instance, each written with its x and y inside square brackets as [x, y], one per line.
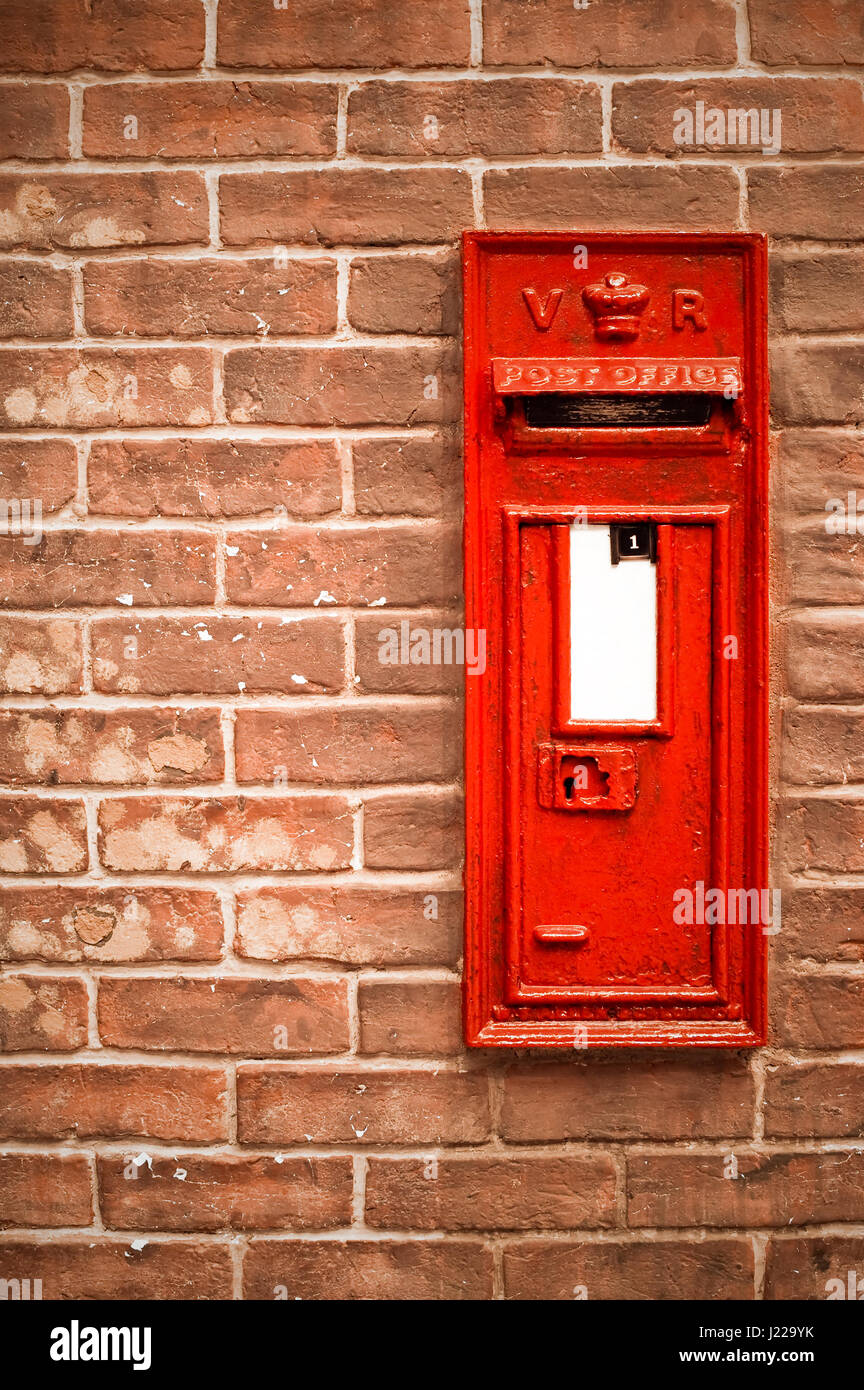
[613, 632]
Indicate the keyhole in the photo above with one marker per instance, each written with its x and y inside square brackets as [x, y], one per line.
[582, 777]
[568, 787]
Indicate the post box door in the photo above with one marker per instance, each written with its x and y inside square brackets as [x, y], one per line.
[615, 555]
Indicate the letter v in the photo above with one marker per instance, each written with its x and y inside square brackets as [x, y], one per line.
[542, 312]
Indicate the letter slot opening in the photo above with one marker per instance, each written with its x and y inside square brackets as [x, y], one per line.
[556, 410]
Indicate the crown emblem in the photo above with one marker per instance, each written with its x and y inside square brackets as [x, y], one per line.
[616, 306]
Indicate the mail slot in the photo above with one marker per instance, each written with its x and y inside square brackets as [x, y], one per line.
[616, 557]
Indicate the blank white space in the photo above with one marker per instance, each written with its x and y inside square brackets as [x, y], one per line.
[613, 632]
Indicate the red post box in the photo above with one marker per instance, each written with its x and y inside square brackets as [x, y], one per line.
[616, 556]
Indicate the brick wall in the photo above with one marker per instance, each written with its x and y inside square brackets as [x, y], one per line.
[229, 906]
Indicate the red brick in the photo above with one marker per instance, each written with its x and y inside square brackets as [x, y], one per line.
[194, 1192]
[213, 478]
[46, 469]
[109, 924]
[811, 1099]
[666, 1098]
[822, 745]
[413, 831]
[72, 211]
[681, 34]
[341, 385]
[111, 747]
[821, 1011]
[714, 1270]
[825, 835]
[508, 1192]
[824, 923]
[38, 1013]
[821, 567]
[341, 34]
[276, 1105]
[162, 298]
[368, 1269]
[229, 833]
[327, 207]
[210, 120]
[34, 121]
[824, 655]
[373, 634]
[810, 32]
[777, 1189]
[816, 383]
[103, 568]
[810, 1268]
[116, 35]
[413, 476]
[353, 564]
[682, 198]
[817, 115]
[353, 926]
[817, 465]
[505, 116]
[95, 387]
[822, 201]
[42, 836]
[404, 294]
[45, 1190]
[410, 1018]
[40, 656]
[258, 1018]
[302, 656]
[99, 1269]
[36, 301]
[180, 1104]
[819, 293]
[419, 742]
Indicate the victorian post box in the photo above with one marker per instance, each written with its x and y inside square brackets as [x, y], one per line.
[616, 556]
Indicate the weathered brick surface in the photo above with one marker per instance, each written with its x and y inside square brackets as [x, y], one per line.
[40, 656]
[301, 566]
[377, 743]
[254, 1018]
[191, 1192]
[74, 211]
[91, 389]
[780, 1189]
[109, 924]
[410, 1018]
[231, 836]
[189, 299]
[298, 656]
[34, 122]
[209, 120]
[176, 1103]
[278, 1106]
[37, 1013]
[111, 747]
[43, 1190]
[228, 833]
[508, 1192]
[513, 116]
[213, 478]
[107, 568]
[99, 1269]
[60, 35]
[339, 33]
[366, 207]
[355, 926]
[42, 836]
[353, 1269]
[656, 1269]
[36, 301]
